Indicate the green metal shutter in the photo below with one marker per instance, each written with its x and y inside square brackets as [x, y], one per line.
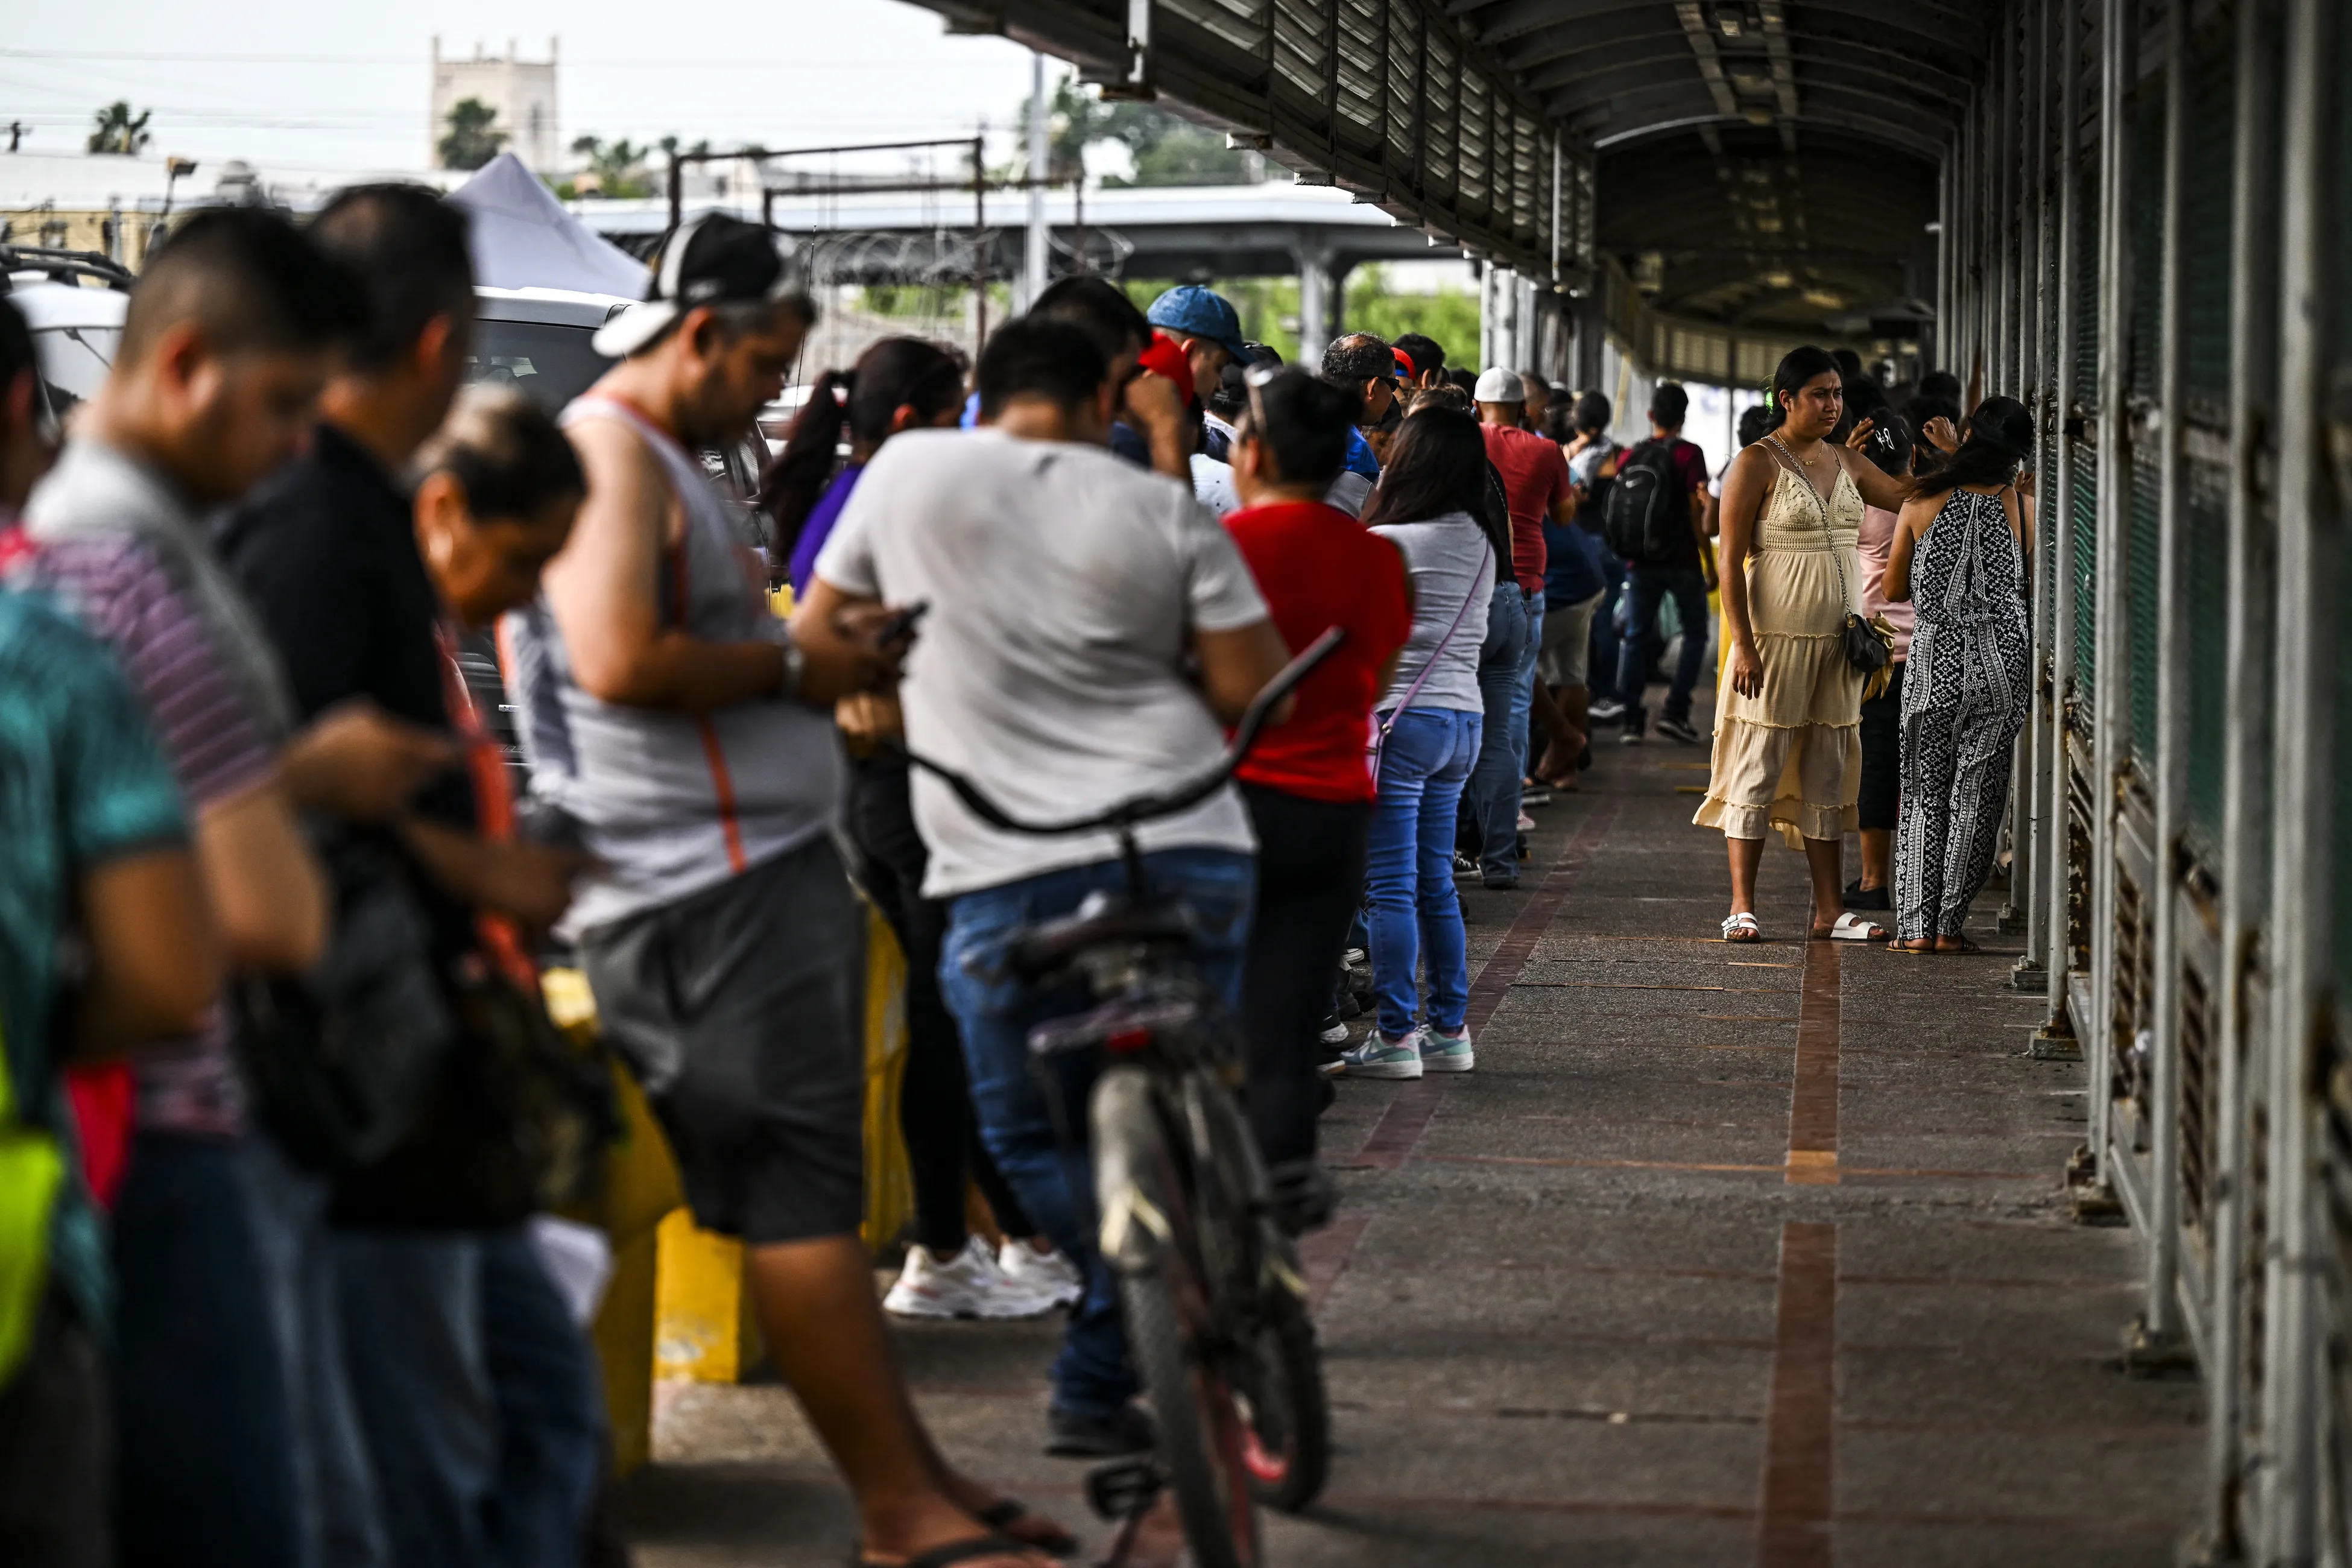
[2206, 558]
[2140, 604]
[2085, 522]
[2144, 185]
[2207, 212]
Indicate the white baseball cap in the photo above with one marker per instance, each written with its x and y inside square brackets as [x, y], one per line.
[711, 259]
[1500, 385]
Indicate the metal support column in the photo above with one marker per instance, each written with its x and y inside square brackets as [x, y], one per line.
[2118, 52]
[1941, 359]
[2159, 1328]
[2037, 839]
[2245, 770]
[2002, 376]
[2297, 941]
[1314, 304]
[2059, 517]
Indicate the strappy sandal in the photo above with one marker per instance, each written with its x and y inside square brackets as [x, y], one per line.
[974, 1548]
[1003, 1514]
[1850, 928]
[1965, 945]
[1742, 928]
[1915, 947]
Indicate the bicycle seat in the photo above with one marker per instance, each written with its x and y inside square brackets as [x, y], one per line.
[1050, 945]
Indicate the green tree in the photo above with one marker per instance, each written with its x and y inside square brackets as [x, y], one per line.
[1166, 149]
[472, 138]
[617, 168]
[119, 130]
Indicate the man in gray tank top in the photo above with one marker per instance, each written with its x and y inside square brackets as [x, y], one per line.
[683, 729]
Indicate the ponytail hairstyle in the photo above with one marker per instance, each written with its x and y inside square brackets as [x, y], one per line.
[893, 374]
[1997, 438]
[1798, 367]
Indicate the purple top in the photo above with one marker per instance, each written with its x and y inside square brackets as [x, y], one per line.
[819, 527]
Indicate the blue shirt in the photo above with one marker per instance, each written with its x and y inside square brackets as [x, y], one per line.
[1574, 571]
[1360, 456]
[83, 781]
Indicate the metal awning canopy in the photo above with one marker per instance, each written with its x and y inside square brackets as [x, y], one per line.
[1767, 163]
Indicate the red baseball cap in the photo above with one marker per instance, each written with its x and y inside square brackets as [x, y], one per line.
[1166, 357]
[1405, 367]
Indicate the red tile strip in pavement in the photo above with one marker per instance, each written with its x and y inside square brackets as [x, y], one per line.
[1409, 1114]
[1800, 1429]
[1813, 1102]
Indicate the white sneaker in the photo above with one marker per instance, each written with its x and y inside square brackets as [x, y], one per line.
[1527, 823]
[1334, 1034]
[969, 1285]
[1048, 1275]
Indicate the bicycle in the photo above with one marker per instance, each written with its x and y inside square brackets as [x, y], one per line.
[1214, 1298]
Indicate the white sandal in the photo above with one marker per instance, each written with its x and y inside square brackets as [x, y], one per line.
[1852, 928]
[1742, 928]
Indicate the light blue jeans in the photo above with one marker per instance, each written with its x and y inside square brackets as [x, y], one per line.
[1507, 682]
[1409, 868]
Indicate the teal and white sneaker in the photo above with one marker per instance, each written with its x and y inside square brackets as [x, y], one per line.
[1381, 1057]
[1442, 1052]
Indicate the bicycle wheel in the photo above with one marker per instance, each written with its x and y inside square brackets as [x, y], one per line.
[1201, 1438]
[1286, 1437]
[1142, 1172]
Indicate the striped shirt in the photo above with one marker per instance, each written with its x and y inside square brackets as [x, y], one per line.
[216, 745]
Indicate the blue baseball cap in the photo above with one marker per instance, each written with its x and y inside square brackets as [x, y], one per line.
[1189, 310]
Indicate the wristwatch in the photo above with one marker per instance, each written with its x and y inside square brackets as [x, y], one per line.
[795, 667]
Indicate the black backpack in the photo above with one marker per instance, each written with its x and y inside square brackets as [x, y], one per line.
[1646, 516]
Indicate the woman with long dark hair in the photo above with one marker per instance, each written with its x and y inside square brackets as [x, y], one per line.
[1959, 553]
[899, 383]
[1431, 504]
[904, 384]
[1788, 722]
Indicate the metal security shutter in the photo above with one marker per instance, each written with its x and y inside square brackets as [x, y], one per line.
[2086, 502]
[2207, 560]
[2139, 607]
[2206, 213]
[2087, 282]
[2145, 188]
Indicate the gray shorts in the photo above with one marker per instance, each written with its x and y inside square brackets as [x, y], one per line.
[1567, 647]
[738, 1007]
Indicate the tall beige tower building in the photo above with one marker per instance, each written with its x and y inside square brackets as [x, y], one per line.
[522, 92]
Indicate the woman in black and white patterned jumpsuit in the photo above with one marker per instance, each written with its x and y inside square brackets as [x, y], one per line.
[1959, 553]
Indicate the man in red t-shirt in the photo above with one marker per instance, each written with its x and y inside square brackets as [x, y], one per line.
[1534, 487]
[1306, 783]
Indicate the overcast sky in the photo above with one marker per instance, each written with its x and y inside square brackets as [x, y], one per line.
[296, 83]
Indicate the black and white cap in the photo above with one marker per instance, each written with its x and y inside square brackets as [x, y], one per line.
[713, 259]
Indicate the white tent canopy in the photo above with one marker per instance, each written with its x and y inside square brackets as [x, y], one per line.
[522, 237]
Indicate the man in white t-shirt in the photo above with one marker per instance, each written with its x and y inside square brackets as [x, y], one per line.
[1091, 630]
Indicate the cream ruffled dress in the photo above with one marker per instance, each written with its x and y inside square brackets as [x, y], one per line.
[1790, 757]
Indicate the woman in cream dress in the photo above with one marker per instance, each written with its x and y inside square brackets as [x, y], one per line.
[1788, 723]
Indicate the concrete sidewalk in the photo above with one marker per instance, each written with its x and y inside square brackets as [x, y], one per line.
[1724, 1255]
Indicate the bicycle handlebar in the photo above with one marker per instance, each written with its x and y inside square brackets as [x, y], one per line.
[1151, 808]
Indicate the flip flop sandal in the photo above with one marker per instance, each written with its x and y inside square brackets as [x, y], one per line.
[1966, 946]
[1742, 928]
[976, 1548]
[1003, 1514]
[1850, 928]
[1921, 947]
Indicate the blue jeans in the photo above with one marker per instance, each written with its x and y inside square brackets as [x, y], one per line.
[1607, 643]
[1409, 868]
[342, 1524]
[1092, 1376]
[478, 1394]
[1647, 587]
[1506, 683]
[206, 1474]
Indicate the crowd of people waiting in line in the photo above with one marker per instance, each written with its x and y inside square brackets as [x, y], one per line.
[282, 1113]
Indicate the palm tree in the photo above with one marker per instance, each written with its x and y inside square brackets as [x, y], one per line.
[471, 142]
[119, 131]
